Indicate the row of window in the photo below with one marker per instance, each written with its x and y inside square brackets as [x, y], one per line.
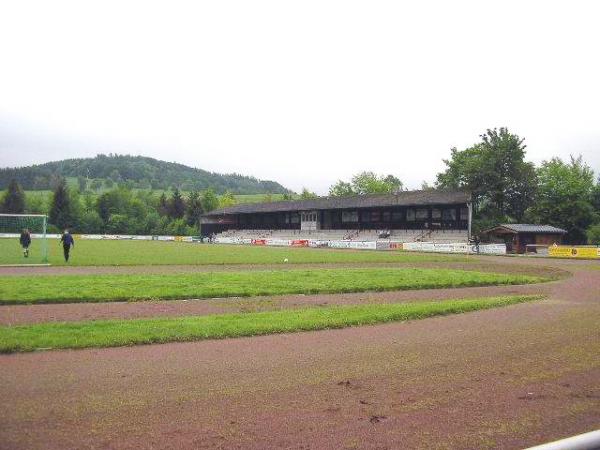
[408, 215]
[309, 216]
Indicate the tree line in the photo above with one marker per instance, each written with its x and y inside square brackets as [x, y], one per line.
[505, 189]
[508, 189]
[118, 211]
[140, 172]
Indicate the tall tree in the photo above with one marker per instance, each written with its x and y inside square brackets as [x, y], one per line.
[96, 185]
[209, 200]
[565, 197]
[176, 205]
[494, 170]
[307, 195]
[341, 189]
[61, 210]
[14, 199]
[367, 183]
[163, 204]
[82, 183]
[194, 209]
[227, 199]
[596, 196]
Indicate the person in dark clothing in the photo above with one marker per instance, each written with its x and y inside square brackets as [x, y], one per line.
[25, 241]
[67, 243]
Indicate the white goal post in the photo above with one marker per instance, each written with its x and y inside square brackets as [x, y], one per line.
[23, 239]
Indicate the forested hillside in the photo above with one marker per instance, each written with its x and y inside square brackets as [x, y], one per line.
[138, 172]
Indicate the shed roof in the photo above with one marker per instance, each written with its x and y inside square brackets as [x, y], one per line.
[403, 198]
[528, 228]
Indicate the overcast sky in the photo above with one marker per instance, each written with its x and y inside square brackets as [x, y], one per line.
[302, 92]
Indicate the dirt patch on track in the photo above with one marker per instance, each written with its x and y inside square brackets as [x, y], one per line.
[70, 312]
[22, 314]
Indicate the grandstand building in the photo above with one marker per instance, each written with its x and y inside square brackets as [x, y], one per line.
[407, 215]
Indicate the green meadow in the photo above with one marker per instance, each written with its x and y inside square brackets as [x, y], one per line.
[115, 333]
[105, 288]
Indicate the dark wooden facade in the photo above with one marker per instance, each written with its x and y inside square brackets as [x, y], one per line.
[366, 213]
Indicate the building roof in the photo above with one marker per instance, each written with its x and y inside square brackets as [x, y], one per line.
[403, 198]
[529, 228]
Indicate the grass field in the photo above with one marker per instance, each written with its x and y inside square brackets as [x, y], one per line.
[127, 253]
[101, 288]
[113, 333]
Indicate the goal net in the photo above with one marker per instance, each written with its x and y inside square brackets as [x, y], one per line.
[15, 247]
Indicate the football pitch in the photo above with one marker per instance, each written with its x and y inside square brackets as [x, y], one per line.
[147, 253]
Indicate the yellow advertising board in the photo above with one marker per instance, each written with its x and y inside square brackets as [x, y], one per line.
[574, 252]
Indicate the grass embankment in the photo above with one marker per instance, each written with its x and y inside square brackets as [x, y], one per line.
[135, 253]
[115, 333]
[102, 288]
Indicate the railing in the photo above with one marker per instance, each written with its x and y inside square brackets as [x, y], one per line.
[586, 441]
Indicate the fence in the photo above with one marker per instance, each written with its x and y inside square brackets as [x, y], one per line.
[491, 249]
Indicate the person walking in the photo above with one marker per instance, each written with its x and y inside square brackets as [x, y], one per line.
[25, 241]
[67, 243]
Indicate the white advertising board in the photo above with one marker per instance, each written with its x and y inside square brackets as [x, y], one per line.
[363, 245]
[459, 247]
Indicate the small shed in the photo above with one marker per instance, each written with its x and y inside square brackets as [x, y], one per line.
[517, 236]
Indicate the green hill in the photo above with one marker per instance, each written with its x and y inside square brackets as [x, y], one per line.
[138, 172]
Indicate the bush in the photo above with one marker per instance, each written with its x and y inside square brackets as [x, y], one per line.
[593, 235]
[179, 227]
[91, 222]
[117, 224]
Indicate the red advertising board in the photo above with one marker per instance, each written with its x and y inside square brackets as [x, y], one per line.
[300, 243]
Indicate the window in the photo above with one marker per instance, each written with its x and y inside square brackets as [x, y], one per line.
[386, 216]
[422, 214]
[436, 213]
[449, 214]
[365, 216]
[308, 216]
[375, 216]
[464, 213]
[295, 218]
[349, 216]
[410, 215]
[398, 216]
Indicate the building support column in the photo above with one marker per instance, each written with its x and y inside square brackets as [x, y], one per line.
[470, 208]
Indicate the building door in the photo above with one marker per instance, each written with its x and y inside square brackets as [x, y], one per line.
[309, 221]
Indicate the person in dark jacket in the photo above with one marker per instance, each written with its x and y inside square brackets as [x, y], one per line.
[67, 243]
[25, 241]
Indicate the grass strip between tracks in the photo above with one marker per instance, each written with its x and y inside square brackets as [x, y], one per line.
[115, 333]
[105, 288]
